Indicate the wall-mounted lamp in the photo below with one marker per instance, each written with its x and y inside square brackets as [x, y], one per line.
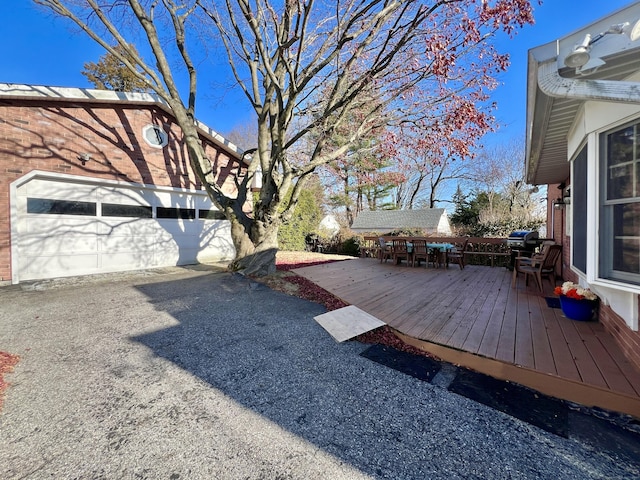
[581, 53]
[84, 158]
[566, 196]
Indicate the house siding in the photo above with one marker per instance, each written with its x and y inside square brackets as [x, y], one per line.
[50, 136]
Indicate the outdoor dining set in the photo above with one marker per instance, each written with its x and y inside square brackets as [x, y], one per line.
[538, 263]
[415, 250]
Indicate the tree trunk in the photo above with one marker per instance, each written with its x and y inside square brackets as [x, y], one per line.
[255, 257]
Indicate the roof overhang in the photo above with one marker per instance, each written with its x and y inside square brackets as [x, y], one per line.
[556, 93]
[86, 95]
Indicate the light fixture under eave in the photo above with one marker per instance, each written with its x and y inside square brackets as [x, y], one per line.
[581, 53]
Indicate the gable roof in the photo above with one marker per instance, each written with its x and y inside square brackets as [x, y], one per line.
[396, 219]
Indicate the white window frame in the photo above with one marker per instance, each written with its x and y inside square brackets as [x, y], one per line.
[161, 135]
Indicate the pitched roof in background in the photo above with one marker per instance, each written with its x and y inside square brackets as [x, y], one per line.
[397, 219]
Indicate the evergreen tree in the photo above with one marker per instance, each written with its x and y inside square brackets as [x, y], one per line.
[111, 73]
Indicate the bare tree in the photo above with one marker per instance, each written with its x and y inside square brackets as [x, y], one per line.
[281, 53]
[425, 180]
[244, 135]
[498, 171]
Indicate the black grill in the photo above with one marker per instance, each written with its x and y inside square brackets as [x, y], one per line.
[522, 241]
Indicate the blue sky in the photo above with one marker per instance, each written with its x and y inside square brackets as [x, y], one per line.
[39, 49]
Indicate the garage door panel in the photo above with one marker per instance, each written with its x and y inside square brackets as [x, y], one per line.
[126, 196]
[127, 227]
[112, 261]
[70, 243]
[51, 266]
[59, 190]
[184, 256]
[47, 225]
[117, 244]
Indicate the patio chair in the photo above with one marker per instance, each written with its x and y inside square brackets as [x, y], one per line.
[399, 251]
[456, 255]
[420, 252]
[535, 257]
[369, 248]
[538, 267]
[384, 251]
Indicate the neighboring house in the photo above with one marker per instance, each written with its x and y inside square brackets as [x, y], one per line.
[583, 140]
[98, 181]
[430, 220]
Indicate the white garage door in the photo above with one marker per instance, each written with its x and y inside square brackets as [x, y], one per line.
[63, 226]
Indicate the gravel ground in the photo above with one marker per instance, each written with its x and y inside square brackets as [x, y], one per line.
[203, 374]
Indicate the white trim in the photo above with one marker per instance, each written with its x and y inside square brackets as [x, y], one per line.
[593, 197]
[155, 128]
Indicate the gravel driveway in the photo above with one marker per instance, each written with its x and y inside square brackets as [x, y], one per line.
[202, 374]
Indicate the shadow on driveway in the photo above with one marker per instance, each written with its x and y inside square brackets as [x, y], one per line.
[263, 350]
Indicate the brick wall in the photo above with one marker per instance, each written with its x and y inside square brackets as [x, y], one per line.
[52, 136]
[626, 338]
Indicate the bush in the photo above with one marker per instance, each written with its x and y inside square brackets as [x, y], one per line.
[350, 246]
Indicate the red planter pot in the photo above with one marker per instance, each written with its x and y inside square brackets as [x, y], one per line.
[581, 310]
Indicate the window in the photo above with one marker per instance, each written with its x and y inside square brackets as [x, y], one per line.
[211, 215]
[60, 207]
[579, 211]
[131, 211]
[170, 212]
[620, 204]
[155, 136]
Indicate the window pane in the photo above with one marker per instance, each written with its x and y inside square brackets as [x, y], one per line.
[620, 182]
[626, 243]
[115, 210]
[60, 207]
[211, 215]
[184, 213]
[620, 145]
[622, 163]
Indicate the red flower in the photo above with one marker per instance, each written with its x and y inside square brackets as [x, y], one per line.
[558, 291]
[573, 293]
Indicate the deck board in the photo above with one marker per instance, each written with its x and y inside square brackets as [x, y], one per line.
[542, 354]
[477, 310]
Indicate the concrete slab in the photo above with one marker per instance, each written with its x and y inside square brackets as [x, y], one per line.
[348, 322]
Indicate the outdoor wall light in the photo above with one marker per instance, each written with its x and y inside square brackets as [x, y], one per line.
[84, 158]
[566, 197]
[581, 53]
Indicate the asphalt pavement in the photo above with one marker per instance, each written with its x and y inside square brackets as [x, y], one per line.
[197, 373]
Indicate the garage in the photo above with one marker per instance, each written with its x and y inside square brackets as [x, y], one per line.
[63, 225]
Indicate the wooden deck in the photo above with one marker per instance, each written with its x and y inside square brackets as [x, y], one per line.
[474, 318]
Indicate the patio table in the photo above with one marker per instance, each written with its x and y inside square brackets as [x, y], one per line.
[442, 248]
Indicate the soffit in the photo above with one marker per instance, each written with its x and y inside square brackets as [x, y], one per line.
[549, 118]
